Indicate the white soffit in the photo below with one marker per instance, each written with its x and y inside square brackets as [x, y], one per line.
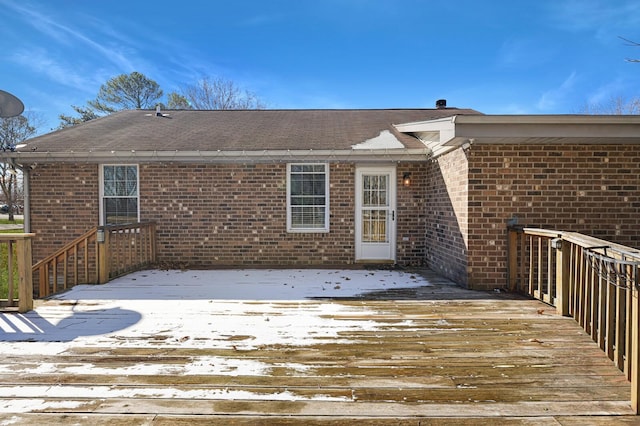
[385, 140]
[443, 134]
[434, 134]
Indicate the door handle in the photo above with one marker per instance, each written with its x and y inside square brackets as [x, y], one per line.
[393, 215]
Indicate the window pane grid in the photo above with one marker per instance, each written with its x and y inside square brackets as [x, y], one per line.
[308, 196]
[120, 194]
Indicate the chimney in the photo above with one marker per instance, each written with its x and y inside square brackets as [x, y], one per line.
[158, 113]
[441, 103]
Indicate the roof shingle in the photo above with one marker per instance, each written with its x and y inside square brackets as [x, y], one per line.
[237, 130]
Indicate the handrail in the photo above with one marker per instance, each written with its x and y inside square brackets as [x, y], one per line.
[596, 282]
[96, 257]
[127, 248]
[23, 259]
[87, 235]
[74, 263]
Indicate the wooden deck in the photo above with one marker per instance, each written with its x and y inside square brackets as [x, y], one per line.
[436, 355]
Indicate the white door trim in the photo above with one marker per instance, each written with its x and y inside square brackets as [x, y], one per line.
[376, 251]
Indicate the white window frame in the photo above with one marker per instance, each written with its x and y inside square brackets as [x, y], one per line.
[290, 227]
[102, 196]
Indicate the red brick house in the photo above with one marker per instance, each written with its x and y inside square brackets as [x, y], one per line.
[432, 187]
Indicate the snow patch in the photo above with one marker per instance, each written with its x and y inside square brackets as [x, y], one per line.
[235, 310]
[385, 140]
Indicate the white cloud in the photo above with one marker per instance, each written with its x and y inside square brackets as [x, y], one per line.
[39, 61]
[552, 97]
[68, 36]
[596, 15]
[606, 92]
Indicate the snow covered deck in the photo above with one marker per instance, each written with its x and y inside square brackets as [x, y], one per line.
[300, 347]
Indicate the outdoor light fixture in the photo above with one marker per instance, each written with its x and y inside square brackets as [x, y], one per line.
[467, 145]
[406, 179]
[100, 236]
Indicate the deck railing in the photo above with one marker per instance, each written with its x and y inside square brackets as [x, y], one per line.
[594, 281]
[16, 251]
[96, 257]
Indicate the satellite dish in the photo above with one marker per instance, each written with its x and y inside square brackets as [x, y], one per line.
[10, 106]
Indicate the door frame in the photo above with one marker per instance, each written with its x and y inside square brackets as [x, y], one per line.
[392, 209]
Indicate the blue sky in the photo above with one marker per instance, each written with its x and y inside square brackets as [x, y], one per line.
[498, 57]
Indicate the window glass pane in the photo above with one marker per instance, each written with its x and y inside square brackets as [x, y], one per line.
[120, 173]
[307, 217]
[307, 197]
[108, 173]
[319, 186]
[132, 187]
[296, 185]
[121, 210]
[120, 194]
[307, 186]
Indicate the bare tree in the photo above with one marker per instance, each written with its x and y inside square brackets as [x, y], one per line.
[220, 93]
[631, 43]
[13, 130]
[616, 105]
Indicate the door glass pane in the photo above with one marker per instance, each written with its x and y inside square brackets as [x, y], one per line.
[374, 226]
[375, 191]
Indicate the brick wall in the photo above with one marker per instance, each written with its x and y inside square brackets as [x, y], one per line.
[592, 189]
[446, 216]
[64, 204]
[411, 215]
[211, 215]
[219, 214]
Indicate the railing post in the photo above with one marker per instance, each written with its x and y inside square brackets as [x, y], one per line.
[102, 239]
[25, 284]
[562, 276]
[512, 257]
[635, 346]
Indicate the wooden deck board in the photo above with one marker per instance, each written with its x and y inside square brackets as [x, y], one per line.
[466, 362]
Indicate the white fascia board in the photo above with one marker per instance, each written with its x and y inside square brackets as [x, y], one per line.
[540, 119]
[547, 126]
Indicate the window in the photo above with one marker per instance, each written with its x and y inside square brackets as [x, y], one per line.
[119, 194]
[307, 198]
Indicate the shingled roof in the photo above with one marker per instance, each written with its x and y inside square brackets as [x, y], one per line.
[234, 131]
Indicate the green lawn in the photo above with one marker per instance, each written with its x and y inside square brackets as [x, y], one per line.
[11, 222]
[4, 273]
[4, 258]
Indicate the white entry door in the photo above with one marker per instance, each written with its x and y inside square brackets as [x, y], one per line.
[375, 213]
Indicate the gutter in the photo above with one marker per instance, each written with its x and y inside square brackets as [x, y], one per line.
[268, 156]
[26, 208]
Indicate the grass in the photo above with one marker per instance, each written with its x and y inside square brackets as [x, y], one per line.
[4, 259]
[11, 231]
[4, 273]
[11, 222]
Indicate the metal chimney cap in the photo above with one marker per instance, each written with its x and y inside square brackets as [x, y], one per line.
[441, 103]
